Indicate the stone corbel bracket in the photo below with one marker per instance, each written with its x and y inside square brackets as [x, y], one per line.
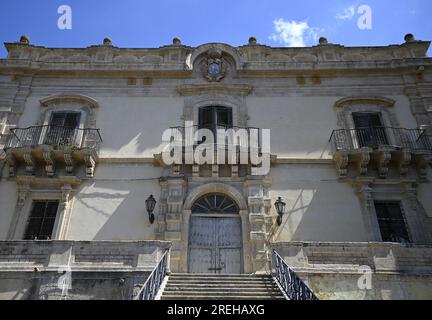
[383, 157]
[11, 162]
[29, 160]
[48, 156]
[90, 162]
[69, 161]
[341, 159]
[422, 161]
[403, 159]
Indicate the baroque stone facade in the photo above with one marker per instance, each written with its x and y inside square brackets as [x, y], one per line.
[82, 128]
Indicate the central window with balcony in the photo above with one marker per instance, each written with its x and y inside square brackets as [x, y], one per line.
[62, 130]
[370, 130]
[215, 117]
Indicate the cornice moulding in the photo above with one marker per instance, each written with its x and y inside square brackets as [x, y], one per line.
[386, 102]
[233, 89]
[64, 98]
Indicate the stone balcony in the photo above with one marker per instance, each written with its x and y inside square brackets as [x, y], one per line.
[236, 153]
[365, 151]
[49, 147]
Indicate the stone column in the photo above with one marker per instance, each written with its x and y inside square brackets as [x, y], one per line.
[258, 224]
[174, 219]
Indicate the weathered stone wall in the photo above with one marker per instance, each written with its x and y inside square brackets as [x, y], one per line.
[339, 270]
[52, 270]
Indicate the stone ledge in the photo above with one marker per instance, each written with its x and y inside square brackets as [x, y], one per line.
[99, 255]
[387, 258]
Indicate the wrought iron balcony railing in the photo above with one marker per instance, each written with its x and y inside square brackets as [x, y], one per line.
[374, 137]
[241, 137]
[57, 136]
[294, 287]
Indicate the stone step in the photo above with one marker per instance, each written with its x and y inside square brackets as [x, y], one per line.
[212, 275]
[233, 281]
[217, 287]
[220, 279]
[209, 297]
[221, 285]
[221, 289]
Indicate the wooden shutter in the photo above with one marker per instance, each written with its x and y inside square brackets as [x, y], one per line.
[367, 120]
[206, 117]
[224, 116]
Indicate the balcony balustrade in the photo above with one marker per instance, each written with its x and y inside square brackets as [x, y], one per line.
[239, 150]
[381, 146]
[52, 145]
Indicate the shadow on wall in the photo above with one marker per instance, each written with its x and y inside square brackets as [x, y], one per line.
[112, 211]
[321, 213]
[139, 126]
[19, 288]
[346, 287]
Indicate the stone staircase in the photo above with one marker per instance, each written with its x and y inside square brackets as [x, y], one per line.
[220, 287]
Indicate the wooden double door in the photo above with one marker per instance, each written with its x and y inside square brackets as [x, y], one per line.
[215, 244]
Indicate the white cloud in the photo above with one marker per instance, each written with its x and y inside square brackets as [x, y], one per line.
[293, 33]
[346, 14]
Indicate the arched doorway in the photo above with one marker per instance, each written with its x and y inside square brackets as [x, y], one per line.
[215, 236]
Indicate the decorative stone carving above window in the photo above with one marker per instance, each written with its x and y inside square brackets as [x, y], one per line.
[346, 106]
[70, 102]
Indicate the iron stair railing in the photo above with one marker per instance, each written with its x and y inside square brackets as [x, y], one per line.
[294, 287]
[154, 281]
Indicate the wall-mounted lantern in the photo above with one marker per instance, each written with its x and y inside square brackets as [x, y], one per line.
[150, 205]
[280, 208]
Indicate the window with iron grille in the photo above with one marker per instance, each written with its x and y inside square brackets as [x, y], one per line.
[392, 222]
[41, 220]
[62, 128]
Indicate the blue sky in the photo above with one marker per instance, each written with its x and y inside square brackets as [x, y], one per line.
[149, 23]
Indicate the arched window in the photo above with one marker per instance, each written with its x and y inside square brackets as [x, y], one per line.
[215, 203]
